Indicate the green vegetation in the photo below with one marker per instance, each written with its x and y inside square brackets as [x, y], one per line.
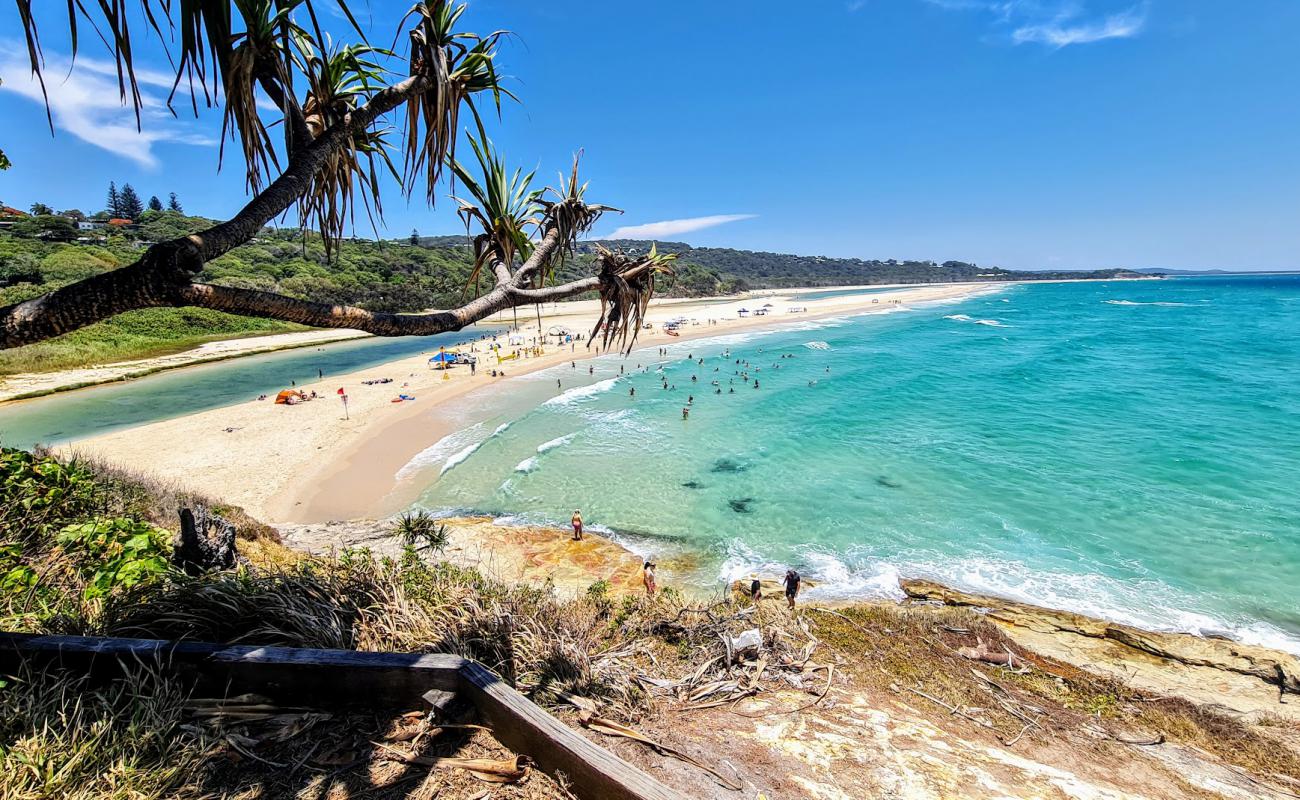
[45, 252]
[759, 270]
[134, 335]
[86, 552]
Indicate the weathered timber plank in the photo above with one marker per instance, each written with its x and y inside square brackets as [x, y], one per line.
[335, 678]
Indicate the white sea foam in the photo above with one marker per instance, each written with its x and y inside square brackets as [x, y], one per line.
[1147, 604]
[527, 465]
[441, 449]
[459, 457]
[992, 323]
[1135, 303]
[582, 392]
[554, 443]
[816, 345]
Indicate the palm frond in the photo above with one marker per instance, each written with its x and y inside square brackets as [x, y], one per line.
[458, 66]
[501, 203]
[626, 285]
[339, 80]
[569, 216]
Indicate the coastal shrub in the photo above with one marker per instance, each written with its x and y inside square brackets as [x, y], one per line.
[115, 553]
[421, 531]
[39, 494]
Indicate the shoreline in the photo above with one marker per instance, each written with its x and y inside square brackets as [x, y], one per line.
[1248, 680]
[32, 385]
[308, 463]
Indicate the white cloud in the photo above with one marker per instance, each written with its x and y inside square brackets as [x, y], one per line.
[675, 227]
[85, 102]
[1055, 23]
[1116, 26]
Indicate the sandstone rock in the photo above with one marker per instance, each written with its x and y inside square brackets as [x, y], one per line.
[1271, 666]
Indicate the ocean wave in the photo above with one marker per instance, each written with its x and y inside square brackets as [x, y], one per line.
[582, 392]
[1147, 604]
[1167, 304]
[527, 465]
[817, 345]
[559, 441]
[440, 450]
[992, 323]
[459, 457]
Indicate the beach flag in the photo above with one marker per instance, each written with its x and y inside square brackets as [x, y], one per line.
[340, 390]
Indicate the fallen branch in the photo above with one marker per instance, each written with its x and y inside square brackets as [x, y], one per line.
[952, 709]
[611, 728]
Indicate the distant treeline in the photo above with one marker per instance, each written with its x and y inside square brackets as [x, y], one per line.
[41, 252]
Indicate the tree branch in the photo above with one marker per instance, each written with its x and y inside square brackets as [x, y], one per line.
[159, 277]
[296, 133]
[247, 302]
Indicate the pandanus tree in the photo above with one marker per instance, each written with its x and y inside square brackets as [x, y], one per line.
[335, 150]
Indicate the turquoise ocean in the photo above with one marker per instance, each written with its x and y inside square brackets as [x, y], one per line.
[1129, 450]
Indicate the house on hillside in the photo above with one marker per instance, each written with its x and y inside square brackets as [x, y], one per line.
[90, 225]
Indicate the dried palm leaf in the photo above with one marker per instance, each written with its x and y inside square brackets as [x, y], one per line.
[626, 285]
[458, 65]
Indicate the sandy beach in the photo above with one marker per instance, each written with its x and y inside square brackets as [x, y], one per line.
[35, 384]
[308, 463]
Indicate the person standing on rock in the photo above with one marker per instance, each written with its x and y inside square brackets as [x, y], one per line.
[648, 578]
[577, 525]
[791, 586]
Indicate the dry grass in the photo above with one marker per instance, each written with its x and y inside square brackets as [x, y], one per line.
[141, 495]
[62, 737]
[903, 648]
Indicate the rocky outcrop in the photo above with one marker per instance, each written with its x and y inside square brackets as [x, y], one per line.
[1270, 666]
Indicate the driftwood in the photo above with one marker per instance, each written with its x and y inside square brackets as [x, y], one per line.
[982, 652]
[206, 542]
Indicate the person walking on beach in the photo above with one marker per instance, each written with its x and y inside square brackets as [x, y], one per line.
[577, 525]
[648, 578]
[756, 590]
[791, 586]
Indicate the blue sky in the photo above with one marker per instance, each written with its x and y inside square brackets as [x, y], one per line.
[1025, 133]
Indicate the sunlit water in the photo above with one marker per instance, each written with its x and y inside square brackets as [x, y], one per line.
[76, 415]
[1125, 449]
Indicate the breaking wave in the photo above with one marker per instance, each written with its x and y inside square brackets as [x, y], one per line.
[582, 392]
[442, 449]
[554, 443]
[1136, 303]
[527, 465]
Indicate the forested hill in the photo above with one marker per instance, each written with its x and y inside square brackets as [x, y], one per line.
[756, 269]
[42, 251]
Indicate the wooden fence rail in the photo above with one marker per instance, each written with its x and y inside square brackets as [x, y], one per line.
[338, 678]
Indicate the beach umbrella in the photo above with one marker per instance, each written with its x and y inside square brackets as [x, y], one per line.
[443, 359]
